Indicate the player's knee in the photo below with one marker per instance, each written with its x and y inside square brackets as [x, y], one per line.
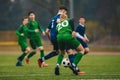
[81, 49]
[41, 48]
[87, 50]
[27, 50]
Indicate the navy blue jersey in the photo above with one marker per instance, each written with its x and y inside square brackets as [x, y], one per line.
[81, 30]
[52, 27]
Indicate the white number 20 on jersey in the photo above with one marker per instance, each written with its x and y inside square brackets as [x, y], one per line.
[63, 24]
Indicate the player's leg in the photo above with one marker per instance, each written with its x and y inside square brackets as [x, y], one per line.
[33, 52]
[85, 46]
[80, 50]
[79, 54]
[41, 60]
[54, 52]
[51, 54]
[25, 50]
[60, 56]
[59, 60]
[71, 54]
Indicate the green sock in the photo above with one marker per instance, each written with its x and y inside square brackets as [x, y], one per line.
[31, 54]
[60, 58]
[22, 56]
[42, 55]
[77, 58]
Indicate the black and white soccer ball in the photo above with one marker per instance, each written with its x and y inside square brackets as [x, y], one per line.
[65, 62]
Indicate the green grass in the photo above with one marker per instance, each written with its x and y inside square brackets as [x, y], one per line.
[95, 66]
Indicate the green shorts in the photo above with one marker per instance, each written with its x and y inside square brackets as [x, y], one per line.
[35, 42]
[23, 45]
[67, 41]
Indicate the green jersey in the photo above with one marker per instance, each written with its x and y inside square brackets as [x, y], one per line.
[21, 30]
[22, 35]
[64, 29]
[64, 35]
[33, 25]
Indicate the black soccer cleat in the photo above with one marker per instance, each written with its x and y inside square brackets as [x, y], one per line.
[57, 70]
[19, 64]
[74, 69]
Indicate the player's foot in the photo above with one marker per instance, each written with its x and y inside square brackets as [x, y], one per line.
[57, 70]
[27, 61]
[74, 70]
[41, 63]
[19, 64]
[44, 64]
[80, 72]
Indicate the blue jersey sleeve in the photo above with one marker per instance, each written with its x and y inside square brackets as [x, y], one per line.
[50, 24]
[77, 29]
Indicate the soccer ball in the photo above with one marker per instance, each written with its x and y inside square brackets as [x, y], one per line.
[65, 62]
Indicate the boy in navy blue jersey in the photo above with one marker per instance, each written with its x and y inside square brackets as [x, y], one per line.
[81, 36]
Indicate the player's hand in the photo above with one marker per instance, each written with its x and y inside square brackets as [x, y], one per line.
[73, 34]
[22, 34]
[43, 33]
[87, 40]
[84, 39]
[36, 30]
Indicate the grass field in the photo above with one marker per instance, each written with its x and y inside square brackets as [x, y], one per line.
[96, 67]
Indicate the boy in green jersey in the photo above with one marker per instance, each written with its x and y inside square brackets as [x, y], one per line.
[65, 37]
[21, 34]
[34, 37]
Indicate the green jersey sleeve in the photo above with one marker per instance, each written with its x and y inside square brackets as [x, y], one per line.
[40, 28]
[29, 30]
[18, 31]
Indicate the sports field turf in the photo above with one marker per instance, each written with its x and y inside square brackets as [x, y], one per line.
[96, 67]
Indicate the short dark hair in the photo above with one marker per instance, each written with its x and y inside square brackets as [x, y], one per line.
[82, 16]
[31, 12]
[24, 17]
[63, 7]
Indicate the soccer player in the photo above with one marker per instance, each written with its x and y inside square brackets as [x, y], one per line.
[21, 34]
[34, 37]
[65, 37]
[81, 36]
[51, 34]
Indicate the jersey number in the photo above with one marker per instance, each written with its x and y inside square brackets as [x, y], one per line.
[63, 24]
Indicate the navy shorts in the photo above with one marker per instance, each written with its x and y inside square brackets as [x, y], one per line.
[84, 44]
[55, 45]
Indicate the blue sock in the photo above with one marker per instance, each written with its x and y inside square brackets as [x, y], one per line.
[51, 54]
[71, 57]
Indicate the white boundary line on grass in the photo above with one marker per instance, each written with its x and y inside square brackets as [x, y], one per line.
[27, 75]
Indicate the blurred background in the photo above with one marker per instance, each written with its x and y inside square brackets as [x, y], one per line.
[102, 20]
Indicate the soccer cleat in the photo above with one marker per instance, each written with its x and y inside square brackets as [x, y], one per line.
[80, 72]
[19, 64]
[57, 70]
[27, 61]
[74, 70]
[41, 63]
